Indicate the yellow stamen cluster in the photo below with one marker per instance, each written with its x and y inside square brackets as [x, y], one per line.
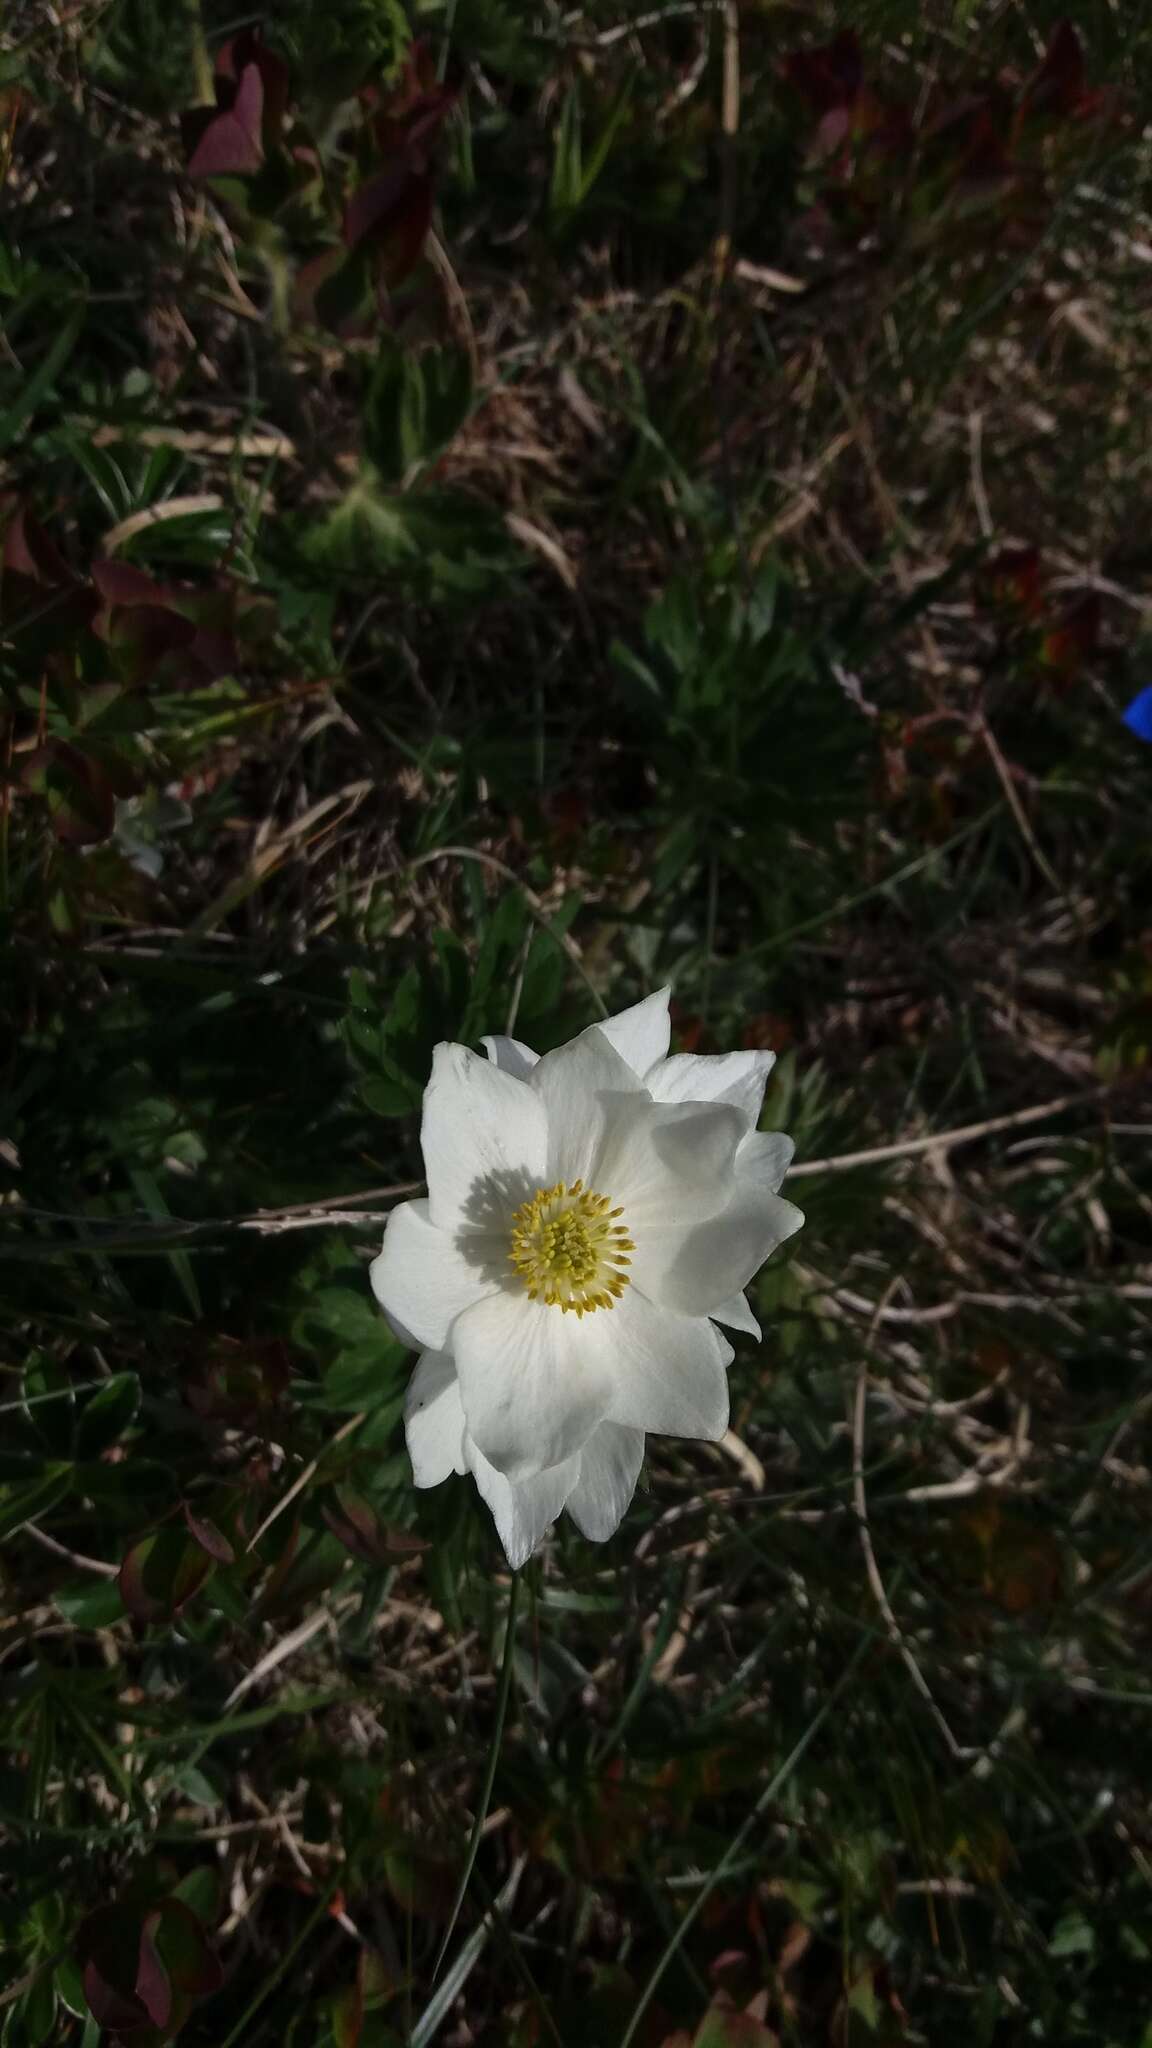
[570, 1249]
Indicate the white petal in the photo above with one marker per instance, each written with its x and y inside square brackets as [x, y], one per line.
[583, 1087]
[423, 1278]
[739, 1078]
[666, 1372]
[485, 1141]
[609, 1468]
[694, 1270]
[523, 1510]
[669, 1163]
[511, 1056]
[434, 1420]
[737, 1315]
[533, 1388]
[641, 1035]
[765, 1157]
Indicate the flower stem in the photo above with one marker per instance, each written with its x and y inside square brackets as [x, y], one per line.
[485, 1799]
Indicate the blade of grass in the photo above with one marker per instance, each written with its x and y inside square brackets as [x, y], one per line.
[732, 1852]
[40, 381]
[845, 904]
[655, 1651]
[240, 2030]
[444, 1997]
[485, 1798]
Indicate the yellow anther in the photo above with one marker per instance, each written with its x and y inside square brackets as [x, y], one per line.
[568, 1249]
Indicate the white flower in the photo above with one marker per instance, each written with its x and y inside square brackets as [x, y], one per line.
[591, 1217]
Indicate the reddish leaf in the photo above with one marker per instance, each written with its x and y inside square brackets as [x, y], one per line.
[1060, 85]
[410, 119]
[78, 790]
[391, 214]
[829, 76]
[26, 547]
[732, 1972]
[358, 1527]
[145, 635]
[230, 141]
[1074, 639]
[374, 1984]
[234, 137]
[143, 1963]
[122, 583]
[244, 51]
[126, 1989]
[243, 1383]
[108, 1950]
[153, 1986]
[208, 1536]
[334, 289]
[567, 812]
[166, 632]
[41, 601]
[182, 1944]
[795, 1945]
[161, 1573]
[1013, 580]
[767, 1028]
[980, 152]
[348, 2017]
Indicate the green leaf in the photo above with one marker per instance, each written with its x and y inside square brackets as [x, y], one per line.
[573, 173]
[70, 1986]
[394, 419]
[24, 1503]
[1072, 1935]
[185, 1950]
[347, 1313]
[200, 1888]
[500, 945]
[91, 1603]
[567, 157]
[447, 396]
[364, 1379]
[105, 1417]
[161, 1573]
[390, 1096]
[341, 287]
[49, 1403]
[446, 539]
[34, 388]
[733, 2030]
[37, 2010]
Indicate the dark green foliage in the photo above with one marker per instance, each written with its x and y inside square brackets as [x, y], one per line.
[341, 45]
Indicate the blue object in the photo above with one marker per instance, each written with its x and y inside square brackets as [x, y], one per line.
[1138, 717]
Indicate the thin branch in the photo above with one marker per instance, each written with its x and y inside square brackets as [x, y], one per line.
[323, 1617]
[875, 1581]
[76, 1557]
[536, 908]
[945, 1141]
[1004, 777]
[298, 1485]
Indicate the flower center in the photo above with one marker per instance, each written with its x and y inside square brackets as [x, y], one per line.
[570, 1249]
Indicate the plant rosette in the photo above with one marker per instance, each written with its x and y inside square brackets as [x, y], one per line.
[592, 1216]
